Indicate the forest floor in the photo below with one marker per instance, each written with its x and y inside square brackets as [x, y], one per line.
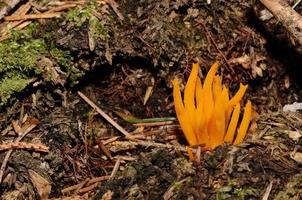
[71, 61]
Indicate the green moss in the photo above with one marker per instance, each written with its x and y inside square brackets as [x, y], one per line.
[81, 15]
[19, 58]
[231, 192]
[10, 86]
[97, 29]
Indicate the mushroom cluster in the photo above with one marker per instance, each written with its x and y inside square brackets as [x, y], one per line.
[207, 116]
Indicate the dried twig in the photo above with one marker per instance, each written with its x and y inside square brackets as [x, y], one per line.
[88, 183]
[34, 123]
[24, 145]
[148, 144]
[154, 123]
[107, 117]
[289, 18]
[115, 168]
[32, 16]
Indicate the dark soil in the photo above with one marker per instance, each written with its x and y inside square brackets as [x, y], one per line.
[147, 44]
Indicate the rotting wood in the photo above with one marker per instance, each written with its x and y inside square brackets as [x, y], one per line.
[10, 5]
[289, 18]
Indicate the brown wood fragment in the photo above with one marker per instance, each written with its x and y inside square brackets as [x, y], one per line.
[32, 16]
[288, 17]
[24, 145]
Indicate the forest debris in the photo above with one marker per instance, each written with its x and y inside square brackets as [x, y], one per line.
[86, 185]
[32, 16]
[10, 4]
[34, 123]
[289, 18]
[268, 191]
[148, 93]
[115, 168]
[114, 7]
[292, 107]
[154, 124]
[107, 117]
[126, 145]
[42, 185]
[24, 145]
[212, 40]
[296, 156]
[107, 196]
[294, 135]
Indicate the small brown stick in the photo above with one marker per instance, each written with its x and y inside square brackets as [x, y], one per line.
[32, 16]
[81, 185]
[98, 179]
[24, 145]
[87, 189]
[110, 140]
[115, 168]
[104, 115]
[61, 8]
[89, 183]
[75, 187]
[154, 124]
[104, 149]
[289, 18]
[149, 144]
[34, 123]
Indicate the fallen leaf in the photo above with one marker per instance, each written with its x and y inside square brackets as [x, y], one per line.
[148, 94]
[42, 185]
[294, 135]
[296, 156]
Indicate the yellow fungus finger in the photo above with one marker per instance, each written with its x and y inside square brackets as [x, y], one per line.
[229, 137]
[201, 135]
[182, 116]
[198, 91]
[189, 95]
[244, 123]
[217, 123]
[217, 87]
[207, 91]
[238, 96]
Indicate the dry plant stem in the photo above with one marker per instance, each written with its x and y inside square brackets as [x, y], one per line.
[98, 179]
[154, 124]
[24, 145]
[150, 144]
[268, 191]
[20, 137]
[81, 185]
[32, 16]
[89, 188]
[115, 168]
[289, 18]
[107, 117]
[110, 140]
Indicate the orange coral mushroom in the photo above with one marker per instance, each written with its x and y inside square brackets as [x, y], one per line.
[207, 116]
